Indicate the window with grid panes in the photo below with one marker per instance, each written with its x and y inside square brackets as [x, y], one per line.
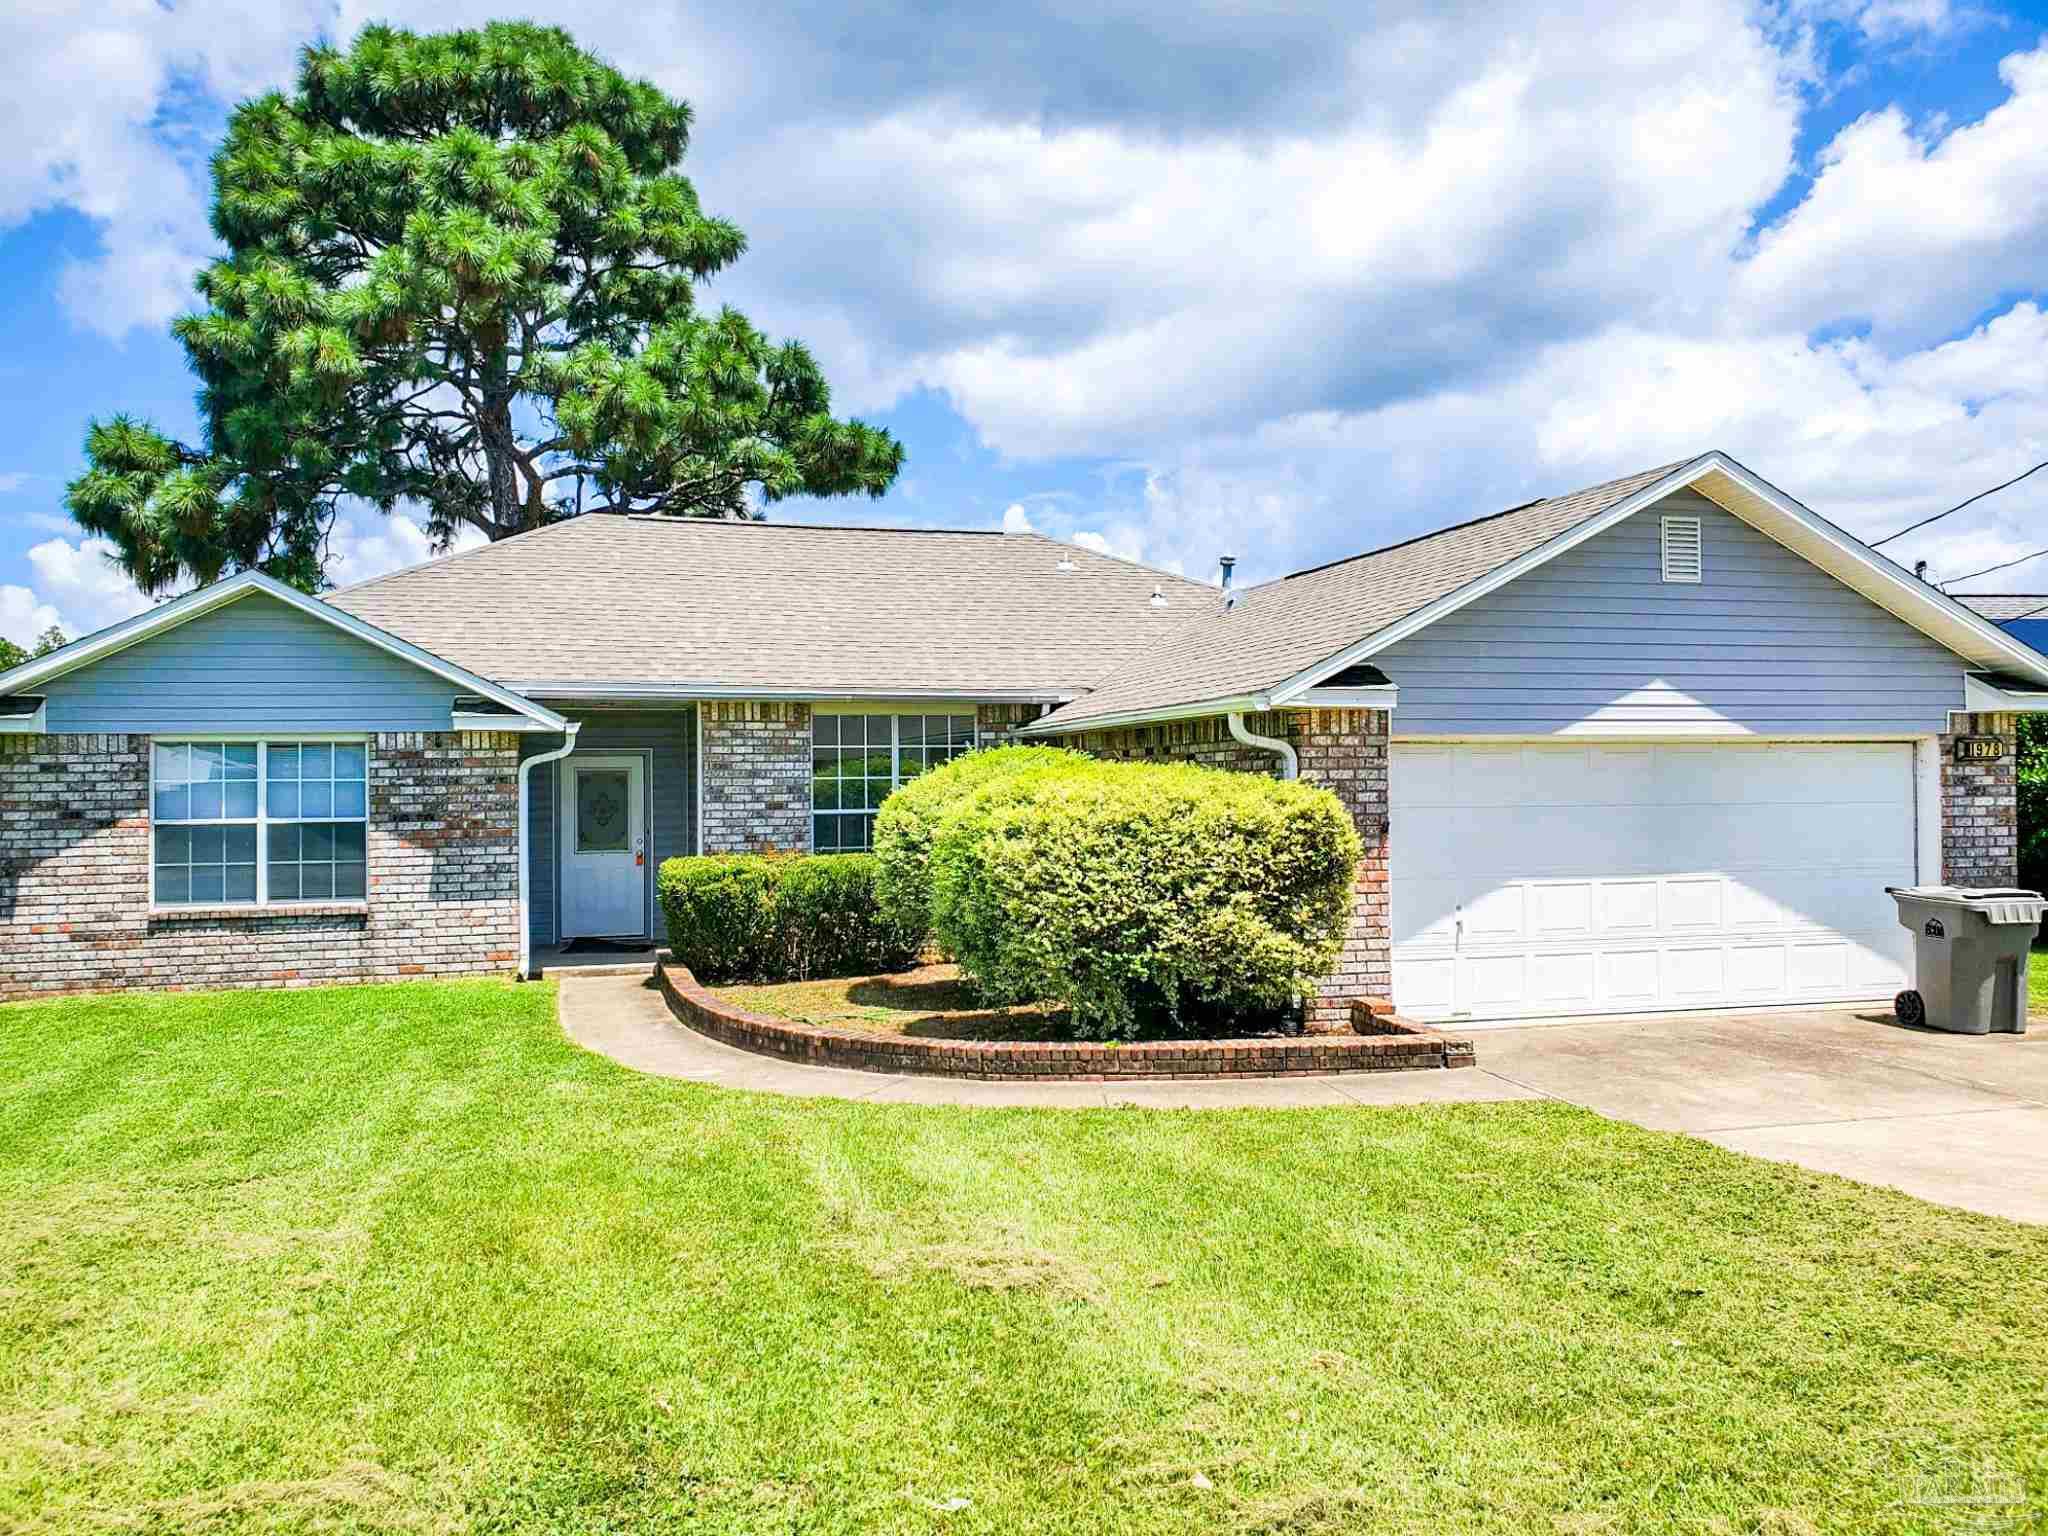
[258, 822]
[857, 759]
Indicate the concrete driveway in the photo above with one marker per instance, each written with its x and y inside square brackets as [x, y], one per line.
[1958, 1119]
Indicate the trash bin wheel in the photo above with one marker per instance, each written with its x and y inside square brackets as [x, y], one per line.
[1910, 1008]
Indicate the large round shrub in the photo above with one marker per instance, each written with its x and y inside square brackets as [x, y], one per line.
[1144, 895]
[909, 817]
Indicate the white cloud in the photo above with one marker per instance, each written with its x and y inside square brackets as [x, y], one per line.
[90, 121]
[1913, 231]
[80, 583]
[1016, 519]
[1869, 441]
[24, 616]
[367, 543]
[78, 586]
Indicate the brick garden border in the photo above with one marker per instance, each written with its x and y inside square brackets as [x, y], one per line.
[1385, 1043]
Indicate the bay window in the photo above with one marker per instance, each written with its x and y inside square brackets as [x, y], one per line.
[258, 823]
[857, 759]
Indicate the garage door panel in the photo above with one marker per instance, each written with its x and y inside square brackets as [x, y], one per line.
[1756, 972]
[1561, 909]
[1627, 906]
[1818, 968]
[1693, 905]
[1617, 775]
[1427, 913]
[1629, 978]
[1751, 906]
[1425, 779]
[1693, 975]
[1426, 984]
[1629, 878]
[1491, 779]
[1565, 982]
[1496, 914]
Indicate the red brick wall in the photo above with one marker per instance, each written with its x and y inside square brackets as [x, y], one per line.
[1980, 807]
[74, 875]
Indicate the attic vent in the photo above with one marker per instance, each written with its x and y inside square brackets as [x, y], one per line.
[1681, 549]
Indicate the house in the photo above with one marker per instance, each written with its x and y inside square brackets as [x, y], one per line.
[2024, 614]
[1661, 743]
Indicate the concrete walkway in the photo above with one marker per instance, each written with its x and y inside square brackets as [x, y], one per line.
[625, 1018]
[1955, 1119]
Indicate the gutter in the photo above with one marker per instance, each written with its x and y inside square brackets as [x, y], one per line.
[1290, 765]
[1052, 725]
[525, 854]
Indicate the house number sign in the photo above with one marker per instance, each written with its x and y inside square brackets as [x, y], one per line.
[1979, 749]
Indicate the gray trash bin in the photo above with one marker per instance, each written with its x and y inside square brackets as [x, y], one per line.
[1969, 957]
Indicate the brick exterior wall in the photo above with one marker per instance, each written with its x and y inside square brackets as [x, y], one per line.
[1980, 807]
[1345, 751]
[757, 776]
[996, 725]
[74, 875]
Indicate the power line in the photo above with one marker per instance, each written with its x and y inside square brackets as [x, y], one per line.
[2008, 565]
[2015, 480]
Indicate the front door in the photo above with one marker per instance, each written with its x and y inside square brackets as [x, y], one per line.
[604, 847]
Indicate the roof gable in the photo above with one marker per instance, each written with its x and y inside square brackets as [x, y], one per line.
[106, 643]
[1278, 642]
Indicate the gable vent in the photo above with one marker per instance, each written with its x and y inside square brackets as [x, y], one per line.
[1681, 549]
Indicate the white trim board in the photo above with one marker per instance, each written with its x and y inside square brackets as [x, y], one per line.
[167, 616]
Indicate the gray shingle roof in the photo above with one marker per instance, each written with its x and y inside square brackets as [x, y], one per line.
[2008, 606]
[685, 603]
[1284, 627]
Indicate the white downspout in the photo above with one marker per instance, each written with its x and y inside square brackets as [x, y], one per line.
[525, 854]
[1290, 765]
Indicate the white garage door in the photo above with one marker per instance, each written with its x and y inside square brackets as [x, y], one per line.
[1537, 879]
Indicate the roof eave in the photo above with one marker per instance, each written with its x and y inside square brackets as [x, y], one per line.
[691, 692]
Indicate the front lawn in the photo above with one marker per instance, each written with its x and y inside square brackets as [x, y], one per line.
[402, 1259]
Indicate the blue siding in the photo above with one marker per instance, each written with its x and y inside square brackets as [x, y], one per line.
[256, 665]
[671, 736]
[1596, 641]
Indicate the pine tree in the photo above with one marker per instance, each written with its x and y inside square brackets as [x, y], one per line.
[460, 275]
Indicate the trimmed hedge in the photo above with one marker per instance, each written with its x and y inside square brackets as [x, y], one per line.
[1143, 896]
[909, 820]
[782, 917]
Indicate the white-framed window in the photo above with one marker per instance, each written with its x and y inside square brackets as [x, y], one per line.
[856, 759]
[258, 822]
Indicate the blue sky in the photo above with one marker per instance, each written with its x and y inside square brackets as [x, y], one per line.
[1180, 279]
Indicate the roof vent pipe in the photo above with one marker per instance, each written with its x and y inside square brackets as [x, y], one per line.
[1290, 765]
[1920, 569]
[1229, 597]
[1158, 598]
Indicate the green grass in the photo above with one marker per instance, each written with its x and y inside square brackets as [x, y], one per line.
[402, 1259]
